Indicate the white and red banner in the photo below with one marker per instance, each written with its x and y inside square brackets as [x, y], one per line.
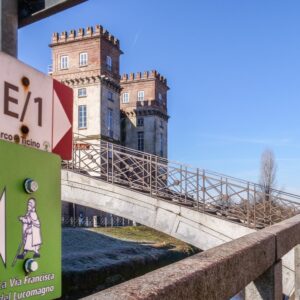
[35, 110]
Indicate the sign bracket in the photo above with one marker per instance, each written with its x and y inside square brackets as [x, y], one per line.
[16, 14]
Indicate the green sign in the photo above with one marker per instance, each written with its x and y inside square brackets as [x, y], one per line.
[30, 227]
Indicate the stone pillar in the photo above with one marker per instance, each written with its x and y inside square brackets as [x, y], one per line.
[95, 223]
[267, 286]
[297, 272]
[9, 27]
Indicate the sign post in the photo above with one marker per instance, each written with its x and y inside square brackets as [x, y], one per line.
[36, 116]
[35, 134]
[15, 14]
[30, 223]
[34, 10]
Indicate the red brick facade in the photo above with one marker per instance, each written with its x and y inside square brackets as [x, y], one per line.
[152, 109]
[97, 42]
[100, 80]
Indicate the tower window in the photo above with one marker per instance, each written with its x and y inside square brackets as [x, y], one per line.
[161, 145]
[110, 122]
[140, 141]
[160, 99]
[141, 96]
[81, 92]
[64, 62]
[140, 122]
[110, 96]
[108, 63]
[82, 116]
[83, 59]
[161, 124]
[126, 98]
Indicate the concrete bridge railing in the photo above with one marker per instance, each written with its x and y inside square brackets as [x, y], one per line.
[251, 263]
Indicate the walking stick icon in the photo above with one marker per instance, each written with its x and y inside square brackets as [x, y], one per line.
[19, 249]
[18, 252]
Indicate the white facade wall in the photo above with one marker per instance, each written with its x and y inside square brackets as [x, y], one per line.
[152, 130]
[97, 111]
[92, 102]
[114, 105]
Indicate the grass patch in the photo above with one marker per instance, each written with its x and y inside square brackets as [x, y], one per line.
[146, 235]
[98, 258]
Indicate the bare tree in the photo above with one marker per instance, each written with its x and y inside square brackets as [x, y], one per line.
[268, 169]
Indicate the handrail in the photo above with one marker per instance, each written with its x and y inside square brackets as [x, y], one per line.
[207, 171]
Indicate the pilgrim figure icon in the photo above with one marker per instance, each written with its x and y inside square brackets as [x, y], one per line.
[31, 232]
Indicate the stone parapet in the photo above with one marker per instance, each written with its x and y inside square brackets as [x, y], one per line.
[143, 76]
[81, 33]
[221, 272]
[218, 273]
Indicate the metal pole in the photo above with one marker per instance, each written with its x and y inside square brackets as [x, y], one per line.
[226, 189]
[181, 178]
[150, 175]
[203, 189]
[79, 160]
[221, 195]
[9, 27]
[248, 204]
[156, 174]
[112, 163]
[197, 189]
[186, 186]
[74, 214]
[254, 207]
[107, 160]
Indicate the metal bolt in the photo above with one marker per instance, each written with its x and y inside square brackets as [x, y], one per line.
[31, 265]
[24, 129]
[25, 81]
[30, 186]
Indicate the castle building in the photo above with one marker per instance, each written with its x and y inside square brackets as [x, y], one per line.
[144, 118]
[89, 62]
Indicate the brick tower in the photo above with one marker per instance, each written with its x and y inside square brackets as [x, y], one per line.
[144, 118]
[89, 62]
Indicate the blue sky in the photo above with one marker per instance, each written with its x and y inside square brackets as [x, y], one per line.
[232, 66]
